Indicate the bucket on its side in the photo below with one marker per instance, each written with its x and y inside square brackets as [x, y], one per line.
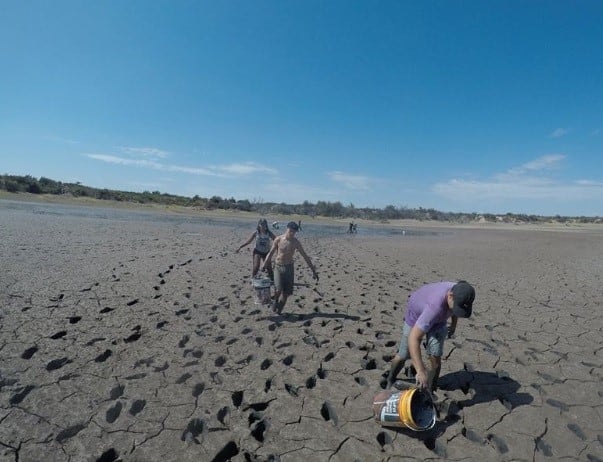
[412, 408]
[262, 290]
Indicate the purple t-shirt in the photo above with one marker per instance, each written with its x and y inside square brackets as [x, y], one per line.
[428, 306]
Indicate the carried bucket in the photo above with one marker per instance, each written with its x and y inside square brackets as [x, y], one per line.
[412, 408]
[262, 290]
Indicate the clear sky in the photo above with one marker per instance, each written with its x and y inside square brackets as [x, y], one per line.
[462, 106]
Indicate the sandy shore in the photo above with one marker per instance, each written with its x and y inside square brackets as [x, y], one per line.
[139, 340]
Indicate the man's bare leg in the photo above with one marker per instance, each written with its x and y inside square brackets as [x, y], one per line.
[434, 372]
[396, 367]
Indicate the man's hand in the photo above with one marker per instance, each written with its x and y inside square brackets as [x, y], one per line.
[421, 379]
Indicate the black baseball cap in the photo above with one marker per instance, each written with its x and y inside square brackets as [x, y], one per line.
[292, 225]
[463, 295]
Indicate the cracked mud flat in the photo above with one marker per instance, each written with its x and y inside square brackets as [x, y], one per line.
[140, 341]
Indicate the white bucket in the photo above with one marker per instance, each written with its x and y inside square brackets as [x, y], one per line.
[262, 290]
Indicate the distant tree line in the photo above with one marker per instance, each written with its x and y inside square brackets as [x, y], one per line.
[29, 184]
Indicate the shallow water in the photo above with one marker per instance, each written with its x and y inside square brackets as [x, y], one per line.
[114, 214]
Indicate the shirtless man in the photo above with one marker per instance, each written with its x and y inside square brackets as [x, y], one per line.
[284, 246]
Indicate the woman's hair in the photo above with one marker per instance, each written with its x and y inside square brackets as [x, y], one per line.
[262, 221]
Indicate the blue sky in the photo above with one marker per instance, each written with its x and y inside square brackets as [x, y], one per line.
[474, 106]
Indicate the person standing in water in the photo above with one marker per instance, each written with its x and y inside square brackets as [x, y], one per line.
[263, 237]
[284, 247]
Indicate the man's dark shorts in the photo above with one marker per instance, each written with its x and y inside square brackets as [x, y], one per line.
[434, 340]
[283, 278]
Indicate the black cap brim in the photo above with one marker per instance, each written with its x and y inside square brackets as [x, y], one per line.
[462, 312]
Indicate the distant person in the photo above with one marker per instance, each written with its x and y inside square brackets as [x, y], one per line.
[351, 228]
[275, 225]
[427, 312]
[283, 248]
[263, 237]
[299, 225]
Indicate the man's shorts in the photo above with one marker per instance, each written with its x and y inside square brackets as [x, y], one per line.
[283, 278]
[433, 341]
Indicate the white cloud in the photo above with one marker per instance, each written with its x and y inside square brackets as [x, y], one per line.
[559, 132]
[144, 151]
[527, 182]
[548, 162]
[357, 182]
[110, 159]
[224, 171]
[247, 168]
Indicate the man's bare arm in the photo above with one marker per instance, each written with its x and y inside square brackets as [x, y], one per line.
[307, 259]
[271, 253]
[414, 347]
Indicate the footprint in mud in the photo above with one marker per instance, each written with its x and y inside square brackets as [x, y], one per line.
[137, 406]
[383, 439]
[321, 373]
[328, 412]
[103, 356]
[237, 398]
[183, 378]
[162, 368]
[113, 412]
[69, 433]
[287, 361]
[362, 381]
[57, 364]
[132, 338]
[59, 335]
[369, 364]
[471, 435]
[223, 414]
[265, 364]
[192, 431]
[110, 455]
[329, 356]
[116, 392]
[21, 394]
[27, 354]
[198, 389]
[267, 385]
[498, 443]
[292, 390]
[258, 430]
